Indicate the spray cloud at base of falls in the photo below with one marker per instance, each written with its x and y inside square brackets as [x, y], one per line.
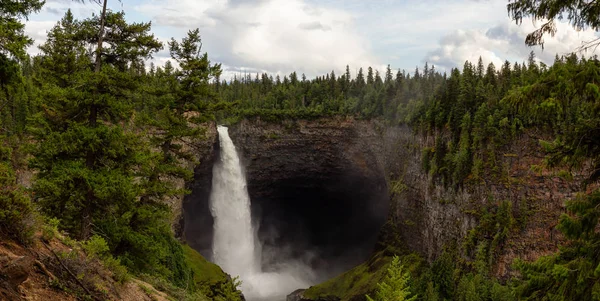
[235, 245]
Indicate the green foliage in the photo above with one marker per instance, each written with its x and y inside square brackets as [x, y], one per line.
[484, 242]
[572, 273]
[442, 271]
[395, 286]
[16, 211]
[228, 291]
[87, 168]
[580, 14]
[178, 103]
[203, 281]
[431, 294]
[397, 187]
[96, 247]
[501, 293]
[50, 229]
[363, 279]
[177, 293]
[12, 37]
[206, 274]
[360, 280]
[95, 173]
[111, 137]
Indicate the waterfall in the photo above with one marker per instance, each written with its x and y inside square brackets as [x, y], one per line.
[233, 243]
[235, 247]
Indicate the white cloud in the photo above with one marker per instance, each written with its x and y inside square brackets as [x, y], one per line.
[506, 41]
[37, 26]
[316, 25]
[315, 37]
[38, 31]
[278, 36]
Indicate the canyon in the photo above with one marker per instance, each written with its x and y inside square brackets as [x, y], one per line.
[333, 191]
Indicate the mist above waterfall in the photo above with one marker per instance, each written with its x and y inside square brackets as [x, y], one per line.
[235, 245]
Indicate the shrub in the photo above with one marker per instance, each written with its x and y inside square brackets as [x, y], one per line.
[395, 285]
[96, 247]
[16, 212]
[50, 229]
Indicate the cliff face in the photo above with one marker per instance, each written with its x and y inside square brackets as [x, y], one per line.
[429, 217]
[323, 187]
[203, 151]
[317, 187]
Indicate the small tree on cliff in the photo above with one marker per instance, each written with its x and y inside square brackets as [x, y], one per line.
[395, 285]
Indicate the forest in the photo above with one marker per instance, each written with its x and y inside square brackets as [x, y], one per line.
[102, 129]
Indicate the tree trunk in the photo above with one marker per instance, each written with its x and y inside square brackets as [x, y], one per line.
[101, 38]
[86, 222]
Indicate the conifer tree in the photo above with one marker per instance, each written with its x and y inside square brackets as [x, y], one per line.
[573, 273]
[86, 167]
[395, 286]
[370, 76]
[12, 37]
[15, 205]
[581, 15]
[180, 106]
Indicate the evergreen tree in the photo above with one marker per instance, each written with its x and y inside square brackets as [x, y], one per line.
[388, 75]
[370, 76]
[581, 15]
[86, 161]
[180, 106]
[395, 285]
[12, 37]
[16, 209]
[573, 273]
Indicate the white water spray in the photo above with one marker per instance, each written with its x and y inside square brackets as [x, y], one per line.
[235, 247]
[233, 243]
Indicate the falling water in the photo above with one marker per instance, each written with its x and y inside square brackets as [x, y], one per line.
[235, 247]
[233, 243]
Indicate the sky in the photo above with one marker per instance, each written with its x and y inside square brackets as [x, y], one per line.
[315, 37]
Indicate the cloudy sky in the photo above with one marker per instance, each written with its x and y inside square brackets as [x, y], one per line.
[317, 36]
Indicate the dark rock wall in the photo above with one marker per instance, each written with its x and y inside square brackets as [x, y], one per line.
[316, 186]
[318, 189]
[196, 221]
[429, 217]
[321, 187]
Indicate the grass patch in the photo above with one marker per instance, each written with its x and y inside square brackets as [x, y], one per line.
[360, 280]
[148, 291]
[205, 272]
[363, 279]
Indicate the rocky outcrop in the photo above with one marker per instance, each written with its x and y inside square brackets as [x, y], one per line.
[203, 150]
[295, 296]
[298, 295]
[14, 270]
